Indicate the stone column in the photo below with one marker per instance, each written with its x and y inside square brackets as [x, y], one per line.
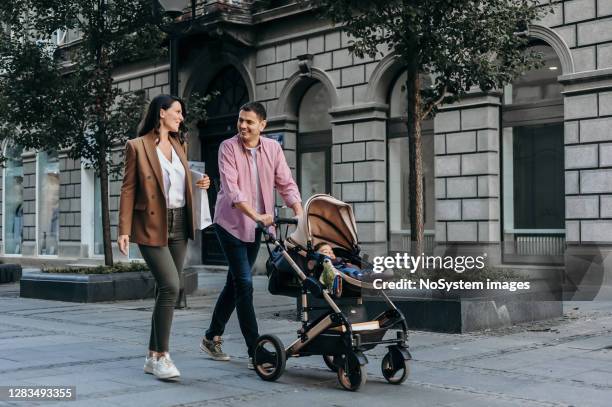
[70, 207]
[29, 204]
[467, 175]
[359, 170]
[588, 182]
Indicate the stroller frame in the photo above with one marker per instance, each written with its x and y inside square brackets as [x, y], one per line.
[332, 335]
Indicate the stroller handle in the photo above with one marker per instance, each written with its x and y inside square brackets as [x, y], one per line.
[277, 221]
[285, 221]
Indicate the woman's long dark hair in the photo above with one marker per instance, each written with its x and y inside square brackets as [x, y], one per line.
[150, 121]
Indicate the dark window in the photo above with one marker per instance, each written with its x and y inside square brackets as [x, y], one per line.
[539, 196]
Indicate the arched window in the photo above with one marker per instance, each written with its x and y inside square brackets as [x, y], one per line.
[314, 142]
[13, 200]
[398, 170]
[48, 186]
[533, 164]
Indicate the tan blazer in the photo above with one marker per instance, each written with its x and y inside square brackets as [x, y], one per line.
[142, 207]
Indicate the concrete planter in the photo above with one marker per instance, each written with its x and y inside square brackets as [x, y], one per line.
[458, 312]
[95, 287]
[10, 273]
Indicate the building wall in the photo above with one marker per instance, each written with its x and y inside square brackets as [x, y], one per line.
[358, 131]
[588, 118]
[467, 171]
[467, 134]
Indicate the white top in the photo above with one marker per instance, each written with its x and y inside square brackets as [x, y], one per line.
[174, 179]
[259, 205]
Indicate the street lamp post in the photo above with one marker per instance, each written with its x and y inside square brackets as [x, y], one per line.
[174, 9]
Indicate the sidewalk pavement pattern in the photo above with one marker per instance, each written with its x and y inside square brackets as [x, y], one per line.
[100, 348]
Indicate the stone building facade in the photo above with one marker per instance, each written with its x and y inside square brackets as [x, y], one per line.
[340, 120]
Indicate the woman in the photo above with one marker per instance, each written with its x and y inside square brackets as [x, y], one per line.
[155, 211]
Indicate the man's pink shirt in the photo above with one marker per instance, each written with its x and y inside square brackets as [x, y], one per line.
[238, 184]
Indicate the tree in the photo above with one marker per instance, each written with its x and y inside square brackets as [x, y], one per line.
[462, 45]
[63, 98]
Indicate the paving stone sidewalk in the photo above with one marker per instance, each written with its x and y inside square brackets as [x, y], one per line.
[99, 348]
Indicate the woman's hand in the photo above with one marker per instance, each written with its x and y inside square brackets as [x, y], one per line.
[204, 182]
[124, 243]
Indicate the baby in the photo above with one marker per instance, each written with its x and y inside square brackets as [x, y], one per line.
[326, 250]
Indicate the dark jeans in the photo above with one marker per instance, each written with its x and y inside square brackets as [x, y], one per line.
[166, 265]
[238, 290]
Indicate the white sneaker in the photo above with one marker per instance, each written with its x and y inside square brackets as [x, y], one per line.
[149, 366]
[164, 369]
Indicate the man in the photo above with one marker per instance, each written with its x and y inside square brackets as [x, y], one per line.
[250, 167]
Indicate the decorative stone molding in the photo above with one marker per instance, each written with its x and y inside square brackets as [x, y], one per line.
[288, 101]
[553, 39]
[382, 78]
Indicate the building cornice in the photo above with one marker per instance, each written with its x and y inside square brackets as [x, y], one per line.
[584, 82]
[137, 73]
[360, 112]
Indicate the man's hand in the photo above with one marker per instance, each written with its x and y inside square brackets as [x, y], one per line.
[265, 218]
[204, 182]
[124, 243]
[297, 209]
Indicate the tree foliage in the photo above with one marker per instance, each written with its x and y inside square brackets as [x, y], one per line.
[63, 97]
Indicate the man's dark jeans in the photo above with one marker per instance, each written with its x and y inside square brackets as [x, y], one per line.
[238, 290]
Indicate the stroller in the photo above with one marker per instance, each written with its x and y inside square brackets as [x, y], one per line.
[339, 336]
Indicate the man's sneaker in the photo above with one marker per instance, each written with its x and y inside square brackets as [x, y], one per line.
[250, 364]
[213, 348]
[149, 366]
[165, 369]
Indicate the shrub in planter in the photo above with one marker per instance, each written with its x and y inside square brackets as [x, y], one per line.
[115, 268]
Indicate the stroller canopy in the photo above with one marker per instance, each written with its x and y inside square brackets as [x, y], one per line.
[326, 219]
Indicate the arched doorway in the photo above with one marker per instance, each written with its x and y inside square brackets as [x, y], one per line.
[314, 142]
[220, 125]
[533, 164]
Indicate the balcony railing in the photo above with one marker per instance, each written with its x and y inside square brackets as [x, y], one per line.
[236, 11]
[539, 244]
[534, 246]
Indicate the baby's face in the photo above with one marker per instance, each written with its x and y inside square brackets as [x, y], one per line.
[327, 251]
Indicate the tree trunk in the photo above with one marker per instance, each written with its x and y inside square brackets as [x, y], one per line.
[103, 100]
[415, 159]
[106, 236]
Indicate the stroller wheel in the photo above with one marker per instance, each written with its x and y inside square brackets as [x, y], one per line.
[351, 374]
[394, 369]
[329, 362]
[269, 357]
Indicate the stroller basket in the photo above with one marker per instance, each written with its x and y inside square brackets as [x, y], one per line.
[282, 280]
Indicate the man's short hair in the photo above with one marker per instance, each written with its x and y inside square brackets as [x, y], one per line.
[256, 108]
